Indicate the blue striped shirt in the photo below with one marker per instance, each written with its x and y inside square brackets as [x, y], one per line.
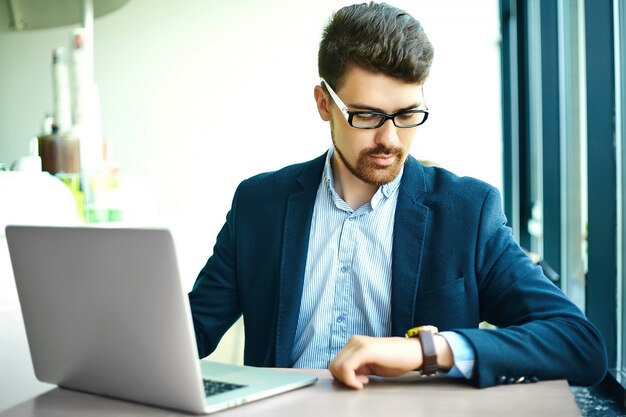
[347, 279]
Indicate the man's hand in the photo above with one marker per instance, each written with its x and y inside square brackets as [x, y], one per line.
[383, 356]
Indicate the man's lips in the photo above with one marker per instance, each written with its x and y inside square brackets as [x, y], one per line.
[383, 159]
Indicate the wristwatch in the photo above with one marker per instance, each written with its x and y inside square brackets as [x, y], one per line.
[426, 335]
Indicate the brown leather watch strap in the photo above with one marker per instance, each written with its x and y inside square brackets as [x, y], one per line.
[426, 335]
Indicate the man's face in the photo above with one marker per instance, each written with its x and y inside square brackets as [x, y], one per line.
[374, 156]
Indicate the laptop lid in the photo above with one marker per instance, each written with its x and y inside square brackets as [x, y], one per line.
[105, 312]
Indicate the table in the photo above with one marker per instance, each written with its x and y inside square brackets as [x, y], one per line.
[410, 395]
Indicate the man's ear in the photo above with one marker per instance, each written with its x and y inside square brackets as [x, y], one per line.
[323, 104]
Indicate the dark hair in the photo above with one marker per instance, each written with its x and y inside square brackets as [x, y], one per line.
[378, 37]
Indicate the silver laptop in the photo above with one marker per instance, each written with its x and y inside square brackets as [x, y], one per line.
[105, 313]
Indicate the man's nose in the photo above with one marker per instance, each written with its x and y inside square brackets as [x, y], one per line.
[387, 134]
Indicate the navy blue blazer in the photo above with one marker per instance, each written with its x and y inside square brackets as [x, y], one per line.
[454, 264]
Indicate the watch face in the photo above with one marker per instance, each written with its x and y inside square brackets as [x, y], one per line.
[414, 332]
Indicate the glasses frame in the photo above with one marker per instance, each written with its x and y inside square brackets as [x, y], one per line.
[349, 115]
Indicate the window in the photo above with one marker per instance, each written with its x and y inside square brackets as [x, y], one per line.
[564, 105]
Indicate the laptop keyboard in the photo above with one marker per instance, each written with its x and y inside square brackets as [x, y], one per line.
[212, 387]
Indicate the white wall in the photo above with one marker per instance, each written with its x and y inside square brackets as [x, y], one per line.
[197, 95]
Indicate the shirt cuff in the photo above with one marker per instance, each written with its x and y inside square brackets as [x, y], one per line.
[463, 354]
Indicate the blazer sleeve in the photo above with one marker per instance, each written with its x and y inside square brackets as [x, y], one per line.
[540, 332]
[214, 298]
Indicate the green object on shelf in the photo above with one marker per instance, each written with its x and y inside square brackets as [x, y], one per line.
[74, 184]
[98, 203]
[95, 215]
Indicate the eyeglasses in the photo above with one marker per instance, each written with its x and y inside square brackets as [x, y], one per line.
[373, 119]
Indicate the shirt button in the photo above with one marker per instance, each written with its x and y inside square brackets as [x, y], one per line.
[340, 319]
[344, 269]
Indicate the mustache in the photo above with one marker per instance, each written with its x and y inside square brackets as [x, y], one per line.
[381, 150]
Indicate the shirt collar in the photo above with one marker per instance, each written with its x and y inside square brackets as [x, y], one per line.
[383, 193]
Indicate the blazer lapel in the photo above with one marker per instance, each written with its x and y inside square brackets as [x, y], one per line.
[408, 243]
[297, 228]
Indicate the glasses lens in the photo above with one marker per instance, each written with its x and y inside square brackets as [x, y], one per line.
[410, 118]
[367, 120]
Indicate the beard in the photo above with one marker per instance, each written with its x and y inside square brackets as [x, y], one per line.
[369, 171]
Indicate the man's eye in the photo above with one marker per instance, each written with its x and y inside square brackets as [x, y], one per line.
[407, 116]
[366, 116]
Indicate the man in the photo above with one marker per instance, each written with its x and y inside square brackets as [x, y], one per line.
[332, 261]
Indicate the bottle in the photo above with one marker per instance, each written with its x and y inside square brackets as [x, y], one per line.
[61, 91]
